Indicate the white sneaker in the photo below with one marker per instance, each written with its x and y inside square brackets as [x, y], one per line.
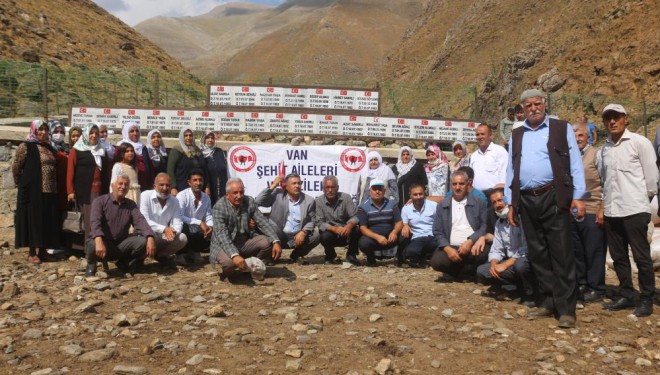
[180, 260]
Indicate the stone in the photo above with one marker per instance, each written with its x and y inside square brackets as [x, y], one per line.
[216, 312]
[129, 370]
[34, 315]
[346, 265]
[88, 306]
[9, 290]
[375, 317]
[295, 353]
[383, 367]
[120, 320]
[435, 364]
[71, 350]
[33, 334]
[293, 364]
[447, 313]
[198, 299]
[102, 286]
[313, 277]
[643, 362]
[195, 360]
[619, 349]
[98, 355]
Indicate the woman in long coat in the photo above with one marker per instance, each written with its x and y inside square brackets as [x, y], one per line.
[408, 172]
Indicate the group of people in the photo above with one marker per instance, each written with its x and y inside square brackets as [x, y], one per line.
[535, 220]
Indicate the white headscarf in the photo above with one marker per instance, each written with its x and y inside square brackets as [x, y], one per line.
[109, 149]
[405, 168]
[156, 154]
[83, 144]
[126, 138]
[193, 149]
[383, 172]
[206, 150]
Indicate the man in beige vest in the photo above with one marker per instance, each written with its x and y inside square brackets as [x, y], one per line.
[588, 236]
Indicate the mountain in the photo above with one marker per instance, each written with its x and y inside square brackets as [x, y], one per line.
[300, 40]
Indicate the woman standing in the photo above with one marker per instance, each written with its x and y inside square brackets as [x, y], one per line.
[74, 135]
[461, 154]
[131, 134]
[58, 142]
[437, 173]
[34, 171]
[157, 151]
[87, 160]
[408, 171]
[107, 146]
[375, 169]
[216, 162]
[184, 158]
[126, 166]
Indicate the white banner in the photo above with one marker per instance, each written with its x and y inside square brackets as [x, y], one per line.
[258, 165]
[279, 123]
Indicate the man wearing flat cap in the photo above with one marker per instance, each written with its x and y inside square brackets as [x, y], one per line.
[630, 179]
[545, 182]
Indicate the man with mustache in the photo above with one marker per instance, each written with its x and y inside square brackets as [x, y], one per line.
[545, 182]
[164, 217]
[630, 180]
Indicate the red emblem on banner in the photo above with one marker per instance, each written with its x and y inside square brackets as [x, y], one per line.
[82, 110]
[245, 89]
[205, 114]
[353, 159]
[401, 121]
[270, 89]
[447, 123]
[254, 115]
[471, 125]
[131, 112]
[328, 117]
[221, 88]
[156, 112]
[294, 91]
[230, 114]
[343, 93]
[352, 118]
[106, 111]
[425, 122]
[180, 113]
[367, 93]
[304, 117]
[242, 159]
[319, 91]
[279, 115]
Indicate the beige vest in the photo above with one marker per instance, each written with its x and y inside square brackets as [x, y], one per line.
[592, 179]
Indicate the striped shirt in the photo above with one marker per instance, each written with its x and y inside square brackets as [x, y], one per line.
[381, 219]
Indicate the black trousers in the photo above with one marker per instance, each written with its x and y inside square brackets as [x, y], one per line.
[441, 262]
[631, 230]
[369, 246]
[418, 249]
[196, 241]
[133, 247]
[590, 248]
[550, 250]
[330, 240]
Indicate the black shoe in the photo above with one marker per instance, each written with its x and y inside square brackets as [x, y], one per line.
[566, 321]
[593, 296]
[645, 308]
[269, 262]
[540, 312]
[582, 289]
[90, 270]
[371, 262]
[528, 302]
[135, 266]
[620, 304]
[332, 261]
[167, 263]
[352, 259]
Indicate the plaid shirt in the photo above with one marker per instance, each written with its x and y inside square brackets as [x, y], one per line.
[227, 225]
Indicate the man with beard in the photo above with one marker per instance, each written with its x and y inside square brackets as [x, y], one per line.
[488, 162]
[418, 241]
[197, 218]
[545, 181]
[507, 260]
[164, 217]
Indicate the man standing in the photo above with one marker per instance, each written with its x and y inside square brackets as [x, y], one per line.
[545, 181]
[292, 215]
[112, 215]
[337, 221]
[507, 259]
[197, 218]
[418, 239]
[380, 224]
[630, 180]
[588, 237]
[458, 224]
[506, 125]
[164, 217]
[488, 162]
[233, 239]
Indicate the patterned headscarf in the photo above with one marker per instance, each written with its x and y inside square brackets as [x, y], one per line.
[34, 127]
[405, 168]
[127, 139]
[58, 145]
[193, 150]
[437, 163]
[465, 160]
[206, 150]
[84, 144]
[71, 130]
[109, 149]
[156, 154]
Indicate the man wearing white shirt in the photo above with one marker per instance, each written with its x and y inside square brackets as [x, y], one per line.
[197, 217]
[164, 217]
[630, 180]
[489, 162]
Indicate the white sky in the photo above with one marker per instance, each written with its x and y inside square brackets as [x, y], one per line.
[133, 12]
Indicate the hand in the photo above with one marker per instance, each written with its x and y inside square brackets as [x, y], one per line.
[392, 238]
[174, 192]
[71, 197]
[512, 216]
[581, 210]
[252, 224]
[299, 238]
[381, 240]
[277, 251]
[169, 234]
[276, 182]
[452, 254]
[600, 217]
[496, 270]
[151, 247]
[208, 191]
[344, 231]
[100, 247]
[206, 230]
[406, 232]
[465, 247]
[239, 262]
[479, 246]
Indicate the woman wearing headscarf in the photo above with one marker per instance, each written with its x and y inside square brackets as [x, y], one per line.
[87, 163]
[184, 158]
[461, 154]
[131, 134]
[408, 171]
[74, 135]
[437, 173]
[157, 151]
[34, 171]
[105, 143]
[58, 142]
[216, 162]
[375, 169]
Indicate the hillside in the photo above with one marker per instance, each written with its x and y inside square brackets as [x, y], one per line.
[300, 41]
[585, 53]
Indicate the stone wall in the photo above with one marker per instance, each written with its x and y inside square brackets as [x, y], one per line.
[7, 193]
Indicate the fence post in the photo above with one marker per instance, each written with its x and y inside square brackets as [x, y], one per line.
[45, 93]
[156, 90]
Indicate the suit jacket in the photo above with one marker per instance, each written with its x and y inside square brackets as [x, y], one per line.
[475, 210]
[225, 225]
[278, 201]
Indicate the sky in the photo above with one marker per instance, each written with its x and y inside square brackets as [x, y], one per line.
[133, 12]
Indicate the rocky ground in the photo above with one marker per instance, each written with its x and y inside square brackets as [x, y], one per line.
[315, 319]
